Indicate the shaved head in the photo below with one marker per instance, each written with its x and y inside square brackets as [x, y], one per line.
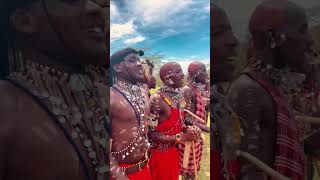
[195, 67]
[172, 71]
[280, 27]
[166, 69]
[275, 15]
[197, 72]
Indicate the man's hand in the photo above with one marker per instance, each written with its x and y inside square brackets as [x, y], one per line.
[154, 103]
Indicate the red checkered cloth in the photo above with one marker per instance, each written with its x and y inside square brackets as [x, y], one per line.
[191, 165]
[200, 106]
[289, 154]
[198, 145]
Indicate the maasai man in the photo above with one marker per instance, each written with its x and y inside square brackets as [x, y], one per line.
[280, 39]
[223, 44]
[130, 145]
[196, 95]
[168, 118]
[52, 110]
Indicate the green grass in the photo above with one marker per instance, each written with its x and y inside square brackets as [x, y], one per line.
[316, 176]
[204, 173]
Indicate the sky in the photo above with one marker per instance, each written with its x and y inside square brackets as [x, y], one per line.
[239, 14]
[177, 29]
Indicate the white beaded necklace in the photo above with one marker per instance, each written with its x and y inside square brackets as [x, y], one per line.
[134, 95]
[75, 101]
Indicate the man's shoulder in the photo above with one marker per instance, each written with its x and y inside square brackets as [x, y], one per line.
[187, 91]
[16, 103]
[10, 96]
[244, 83]
[244, 88]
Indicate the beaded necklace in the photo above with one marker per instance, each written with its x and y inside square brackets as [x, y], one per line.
[134, 96]
[77, 101]
[175, 95]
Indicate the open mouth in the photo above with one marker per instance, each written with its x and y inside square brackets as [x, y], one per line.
[231, 59]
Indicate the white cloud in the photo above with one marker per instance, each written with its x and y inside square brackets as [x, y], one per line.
[114, 13]
[169, 32]
[117, 31]
[207, 8]
[134, 40]
[155, 11]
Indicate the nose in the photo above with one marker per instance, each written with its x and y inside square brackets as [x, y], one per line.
[182, 75]
[231, 40]
[139, 63]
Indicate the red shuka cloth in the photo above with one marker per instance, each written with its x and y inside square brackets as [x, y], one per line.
[164, 164]
[143, 174]
[289, 154]
[198, 145]
[216, 166]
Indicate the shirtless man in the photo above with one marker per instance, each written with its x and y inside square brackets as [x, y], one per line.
[280, 39]
[195, 94]
[169, 130]
[45, 132]
[129, 113]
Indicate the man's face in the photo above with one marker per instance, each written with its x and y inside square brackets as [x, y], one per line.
[75, 28]
[177, 76]
[223, 44]
[131, 68]
[202, 74]
[298, 41]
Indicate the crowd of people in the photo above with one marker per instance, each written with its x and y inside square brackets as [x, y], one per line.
[265, 111]
[159, 135]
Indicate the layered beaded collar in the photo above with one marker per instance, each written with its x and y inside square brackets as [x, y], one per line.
[133, 93]
[78, 102]
[285, 79]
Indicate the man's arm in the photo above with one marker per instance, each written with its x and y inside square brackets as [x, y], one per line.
[189, 96]
[247, 101]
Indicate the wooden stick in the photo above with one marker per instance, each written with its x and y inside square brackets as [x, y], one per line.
[186, 154]
[195, 162]
[317, 164]
[195, 116]
[308, 119]
[261, 165]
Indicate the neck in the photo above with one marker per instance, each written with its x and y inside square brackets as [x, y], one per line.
[36, 56]
[125, 81]
[265, 56]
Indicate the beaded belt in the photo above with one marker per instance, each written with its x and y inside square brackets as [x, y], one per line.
[135, 167]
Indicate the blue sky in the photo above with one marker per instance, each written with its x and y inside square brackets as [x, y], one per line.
[177, 29]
